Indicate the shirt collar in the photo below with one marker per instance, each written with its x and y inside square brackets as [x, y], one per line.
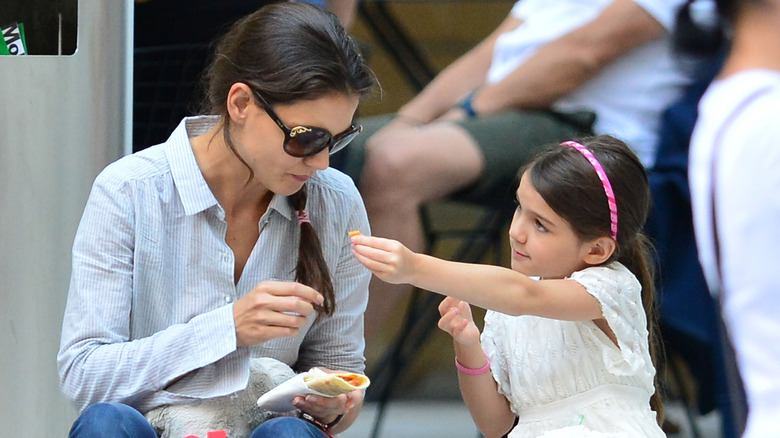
[194, 192]
[280, 204]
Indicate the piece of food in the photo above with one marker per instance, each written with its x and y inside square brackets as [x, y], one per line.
[336, 383]
[314, 381]
[354, 233]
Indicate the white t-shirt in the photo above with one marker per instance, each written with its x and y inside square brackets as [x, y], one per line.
[628, 95]
[738, 125]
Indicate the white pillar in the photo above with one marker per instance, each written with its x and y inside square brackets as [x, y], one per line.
[63, 119]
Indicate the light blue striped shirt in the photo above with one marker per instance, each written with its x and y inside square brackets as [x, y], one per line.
[152, 288]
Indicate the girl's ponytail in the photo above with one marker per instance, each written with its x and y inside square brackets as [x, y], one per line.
[311, 269]
[577, 193]
[637, 258]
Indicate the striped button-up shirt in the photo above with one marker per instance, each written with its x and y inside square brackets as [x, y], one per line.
[152, 288]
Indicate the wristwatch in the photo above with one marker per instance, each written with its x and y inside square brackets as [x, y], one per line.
[317, 423]
[465, 104]
[334, 422]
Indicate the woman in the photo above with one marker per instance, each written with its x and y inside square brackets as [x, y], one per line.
[228, 241]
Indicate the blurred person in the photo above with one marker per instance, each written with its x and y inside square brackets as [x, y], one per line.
[735, 188]
[552, 70]
[228, 241]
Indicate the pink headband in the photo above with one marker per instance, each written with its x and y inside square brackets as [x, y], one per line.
[303, 216]
[613, 218]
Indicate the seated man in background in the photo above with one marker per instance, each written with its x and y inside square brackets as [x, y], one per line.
[552, 70]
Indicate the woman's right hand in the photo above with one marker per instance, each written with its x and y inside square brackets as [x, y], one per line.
[456, 319]
[273, 309]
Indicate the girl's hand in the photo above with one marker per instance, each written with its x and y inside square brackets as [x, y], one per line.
[388, 259]
[456, 319]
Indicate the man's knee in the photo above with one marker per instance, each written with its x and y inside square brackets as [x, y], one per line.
[351, 160]
[390, 170]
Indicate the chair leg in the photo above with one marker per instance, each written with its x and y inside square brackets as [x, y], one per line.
[677, 371]
[419, 323]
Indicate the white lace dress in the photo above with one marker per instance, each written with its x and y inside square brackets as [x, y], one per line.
[568, 379]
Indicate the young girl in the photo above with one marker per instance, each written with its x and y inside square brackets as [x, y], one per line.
[568, 352]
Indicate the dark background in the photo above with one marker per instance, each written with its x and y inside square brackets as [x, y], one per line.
[41, 24]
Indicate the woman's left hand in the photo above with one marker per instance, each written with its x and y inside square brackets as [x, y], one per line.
[327, 409]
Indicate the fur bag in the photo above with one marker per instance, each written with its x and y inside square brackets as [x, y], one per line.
[237, 414]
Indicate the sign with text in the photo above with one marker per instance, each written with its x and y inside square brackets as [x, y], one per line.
[13, 42]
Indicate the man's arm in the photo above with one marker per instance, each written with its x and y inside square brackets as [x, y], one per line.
[463, 75]
[562, 65]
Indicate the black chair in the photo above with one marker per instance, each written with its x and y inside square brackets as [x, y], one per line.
[482, 241]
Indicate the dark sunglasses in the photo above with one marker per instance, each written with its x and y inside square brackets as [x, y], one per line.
[305, 141]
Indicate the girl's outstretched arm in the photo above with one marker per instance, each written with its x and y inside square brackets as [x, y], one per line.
[490, 287]
[489, 409]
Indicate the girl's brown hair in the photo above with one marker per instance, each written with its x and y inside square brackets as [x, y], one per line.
[289, 52]
[570, 186]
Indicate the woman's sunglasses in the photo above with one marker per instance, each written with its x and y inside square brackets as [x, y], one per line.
[305, 141]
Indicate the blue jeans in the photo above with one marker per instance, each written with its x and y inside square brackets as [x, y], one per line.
[287, 427]
[111, 420]
[115, 420]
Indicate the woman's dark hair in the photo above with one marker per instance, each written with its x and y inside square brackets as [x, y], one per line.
[289, 52]
[570, 186]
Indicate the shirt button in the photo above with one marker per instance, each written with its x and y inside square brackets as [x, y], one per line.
[228, 299]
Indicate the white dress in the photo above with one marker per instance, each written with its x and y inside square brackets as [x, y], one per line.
[567, 378]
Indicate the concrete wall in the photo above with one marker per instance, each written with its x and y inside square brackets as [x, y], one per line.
[63, 119]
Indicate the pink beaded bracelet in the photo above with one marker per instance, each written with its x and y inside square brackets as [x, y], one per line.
[473, 371]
